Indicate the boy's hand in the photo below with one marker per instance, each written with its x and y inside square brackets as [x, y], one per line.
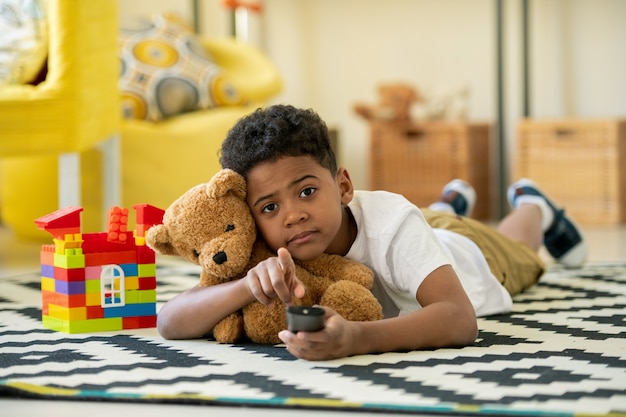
[275, 278]
[333, 341]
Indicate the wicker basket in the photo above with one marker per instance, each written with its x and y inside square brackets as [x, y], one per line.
[580, 164]
[418, 159]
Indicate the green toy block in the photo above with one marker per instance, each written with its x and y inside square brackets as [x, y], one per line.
[146, 270]
[72, 258]
[82, 326]
[92, 286]
[140, 296]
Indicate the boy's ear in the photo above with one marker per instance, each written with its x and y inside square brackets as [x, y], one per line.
[345, 185]
[159, 240]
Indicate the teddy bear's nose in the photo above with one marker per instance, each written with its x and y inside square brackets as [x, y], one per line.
[220, 257]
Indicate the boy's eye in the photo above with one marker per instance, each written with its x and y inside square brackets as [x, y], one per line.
[269, 208]
[230, 227]
[307, 192]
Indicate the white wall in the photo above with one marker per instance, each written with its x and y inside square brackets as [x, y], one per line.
[214, 19]
[352, 46]
[333, 53]
[579, 66]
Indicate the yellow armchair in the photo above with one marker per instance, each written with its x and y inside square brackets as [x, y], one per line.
[45, 128]
[160, 160]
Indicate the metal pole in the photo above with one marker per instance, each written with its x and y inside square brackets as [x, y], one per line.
[195, 4]
[501, 137]
[526, 57]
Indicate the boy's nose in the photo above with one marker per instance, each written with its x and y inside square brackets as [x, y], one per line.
[295, 216]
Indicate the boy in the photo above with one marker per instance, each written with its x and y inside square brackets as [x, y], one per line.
[435, 271]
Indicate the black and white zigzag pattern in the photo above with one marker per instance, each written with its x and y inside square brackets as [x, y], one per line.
[562, 350]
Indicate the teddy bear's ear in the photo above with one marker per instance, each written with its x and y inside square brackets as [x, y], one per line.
[225, 181]
[159, 240]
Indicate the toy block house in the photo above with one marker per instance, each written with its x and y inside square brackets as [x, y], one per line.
[98, 281]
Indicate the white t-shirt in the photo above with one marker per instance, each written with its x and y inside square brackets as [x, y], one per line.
[397, 243]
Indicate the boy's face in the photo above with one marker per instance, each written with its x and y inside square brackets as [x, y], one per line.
[298, 204]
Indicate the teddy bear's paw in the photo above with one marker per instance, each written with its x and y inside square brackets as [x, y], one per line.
[352, 301]
[359, 273]
[262, 323]
[337, 268]
[229, 329]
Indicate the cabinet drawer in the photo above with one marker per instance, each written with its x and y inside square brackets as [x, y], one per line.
[579, 163]
[417, 160]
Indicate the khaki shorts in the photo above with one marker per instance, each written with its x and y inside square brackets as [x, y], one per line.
[513, 263]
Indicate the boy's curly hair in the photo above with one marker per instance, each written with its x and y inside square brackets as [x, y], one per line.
[274, 132]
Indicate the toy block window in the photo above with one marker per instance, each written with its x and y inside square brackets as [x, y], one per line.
[112, 286]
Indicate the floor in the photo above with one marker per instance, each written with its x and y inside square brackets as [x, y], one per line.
[606, 244]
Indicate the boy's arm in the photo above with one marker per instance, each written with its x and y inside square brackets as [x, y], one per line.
[446, 319]
[195, 312]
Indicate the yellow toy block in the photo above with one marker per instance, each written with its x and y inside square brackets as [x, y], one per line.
[93, 298]
[131, 283]
[47, 284]
[146, 270]
[70, 242]
[73, 237]
[67, 313]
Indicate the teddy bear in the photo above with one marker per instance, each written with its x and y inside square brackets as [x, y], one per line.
[211, 226]
[394, 103]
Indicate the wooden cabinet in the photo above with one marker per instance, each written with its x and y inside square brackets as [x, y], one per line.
[581, 164]
[418, 159]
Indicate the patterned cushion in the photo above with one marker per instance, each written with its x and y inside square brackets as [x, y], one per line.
[165, 71]
[23, 40]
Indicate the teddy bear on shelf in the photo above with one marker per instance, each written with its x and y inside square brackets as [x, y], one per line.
[394, 103]
[211, 225]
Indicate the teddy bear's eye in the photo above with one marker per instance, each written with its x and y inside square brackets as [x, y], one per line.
[196, 253]
[230, 227]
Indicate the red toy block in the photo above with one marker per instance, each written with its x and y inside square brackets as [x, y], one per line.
[69, 274]
[61, 222]
[94, 259]
[147, 283]
[148, 215]
[95, 312]
[122, 257]
[110, 258]
[63, 300]
[116, 258]
[141, 229]
[145, 255]
[139, 322]
[98, 243]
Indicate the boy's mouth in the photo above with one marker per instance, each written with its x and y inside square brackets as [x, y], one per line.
[300, 238]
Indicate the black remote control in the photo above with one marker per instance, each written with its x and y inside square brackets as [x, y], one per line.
[305, 319]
